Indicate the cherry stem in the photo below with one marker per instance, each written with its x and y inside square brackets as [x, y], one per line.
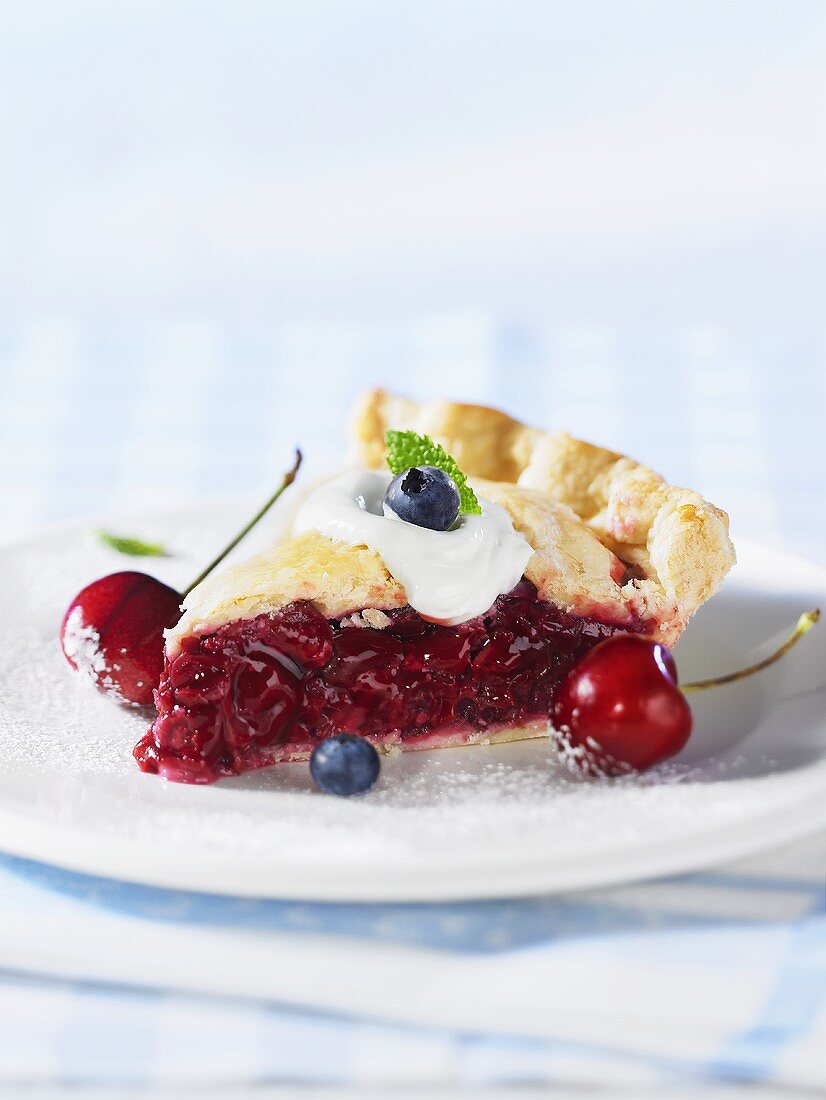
[804, 625]
[287, 480]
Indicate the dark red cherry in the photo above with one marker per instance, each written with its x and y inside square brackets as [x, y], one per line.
[112, 633]
[620, 710]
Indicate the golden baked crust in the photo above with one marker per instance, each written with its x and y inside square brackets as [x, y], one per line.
[611, 539]
[570, 566]
[337, 578]
[675, 544]
[485, 442]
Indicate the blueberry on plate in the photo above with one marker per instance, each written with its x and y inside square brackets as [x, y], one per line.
[344, 764]
[424, 495]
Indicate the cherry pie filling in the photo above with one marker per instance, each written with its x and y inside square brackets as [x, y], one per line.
[262, 690]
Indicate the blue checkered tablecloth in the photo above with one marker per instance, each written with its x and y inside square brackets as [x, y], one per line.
[714, 977]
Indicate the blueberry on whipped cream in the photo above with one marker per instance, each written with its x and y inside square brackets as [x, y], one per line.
[448, 576]
[424, 495]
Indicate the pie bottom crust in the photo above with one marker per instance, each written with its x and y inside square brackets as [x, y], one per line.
[393, 744]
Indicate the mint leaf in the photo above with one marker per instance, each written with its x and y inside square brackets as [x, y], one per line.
[406, 449]
[134, 548]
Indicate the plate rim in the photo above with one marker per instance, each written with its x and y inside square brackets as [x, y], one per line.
[180, 873]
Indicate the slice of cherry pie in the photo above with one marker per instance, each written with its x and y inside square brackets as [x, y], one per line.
[320, 635]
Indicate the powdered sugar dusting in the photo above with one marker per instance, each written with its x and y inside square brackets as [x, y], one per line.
[589, 759]
[81, 644]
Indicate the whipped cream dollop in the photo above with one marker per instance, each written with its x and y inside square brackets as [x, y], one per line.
[449, 576]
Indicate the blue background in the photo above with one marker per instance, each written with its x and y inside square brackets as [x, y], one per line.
[218, 222]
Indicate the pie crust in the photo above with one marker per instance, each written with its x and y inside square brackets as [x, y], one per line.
[611, 538]
[675, 546]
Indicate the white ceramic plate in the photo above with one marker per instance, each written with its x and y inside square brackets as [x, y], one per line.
[474, 822]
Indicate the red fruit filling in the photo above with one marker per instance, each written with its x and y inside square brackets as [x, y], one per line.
[267, 689]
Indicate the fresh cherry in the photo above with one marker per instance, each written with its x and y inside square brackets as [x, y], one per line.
[620, 709]
[112, 633]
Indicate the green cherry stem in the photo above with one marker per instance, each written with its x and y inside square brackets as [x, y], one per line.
[804, 625]
[287, 480]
